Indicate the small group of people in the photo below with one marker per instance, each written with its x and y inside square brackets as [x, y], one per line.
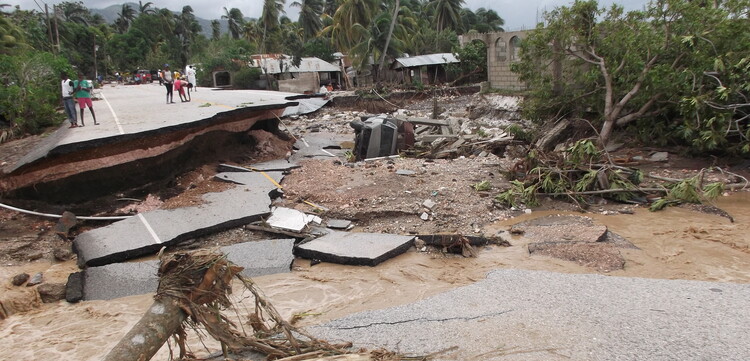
[176, 82]
[77, 91]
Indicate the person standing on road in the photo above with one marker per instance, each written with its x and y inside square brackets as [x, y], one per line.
[168, 80]
[192, 84]
[83, 93]
[67, 97]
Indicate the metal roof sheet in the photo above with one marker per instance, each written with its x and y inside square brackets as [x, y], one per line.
[307, 65]
[429, 59]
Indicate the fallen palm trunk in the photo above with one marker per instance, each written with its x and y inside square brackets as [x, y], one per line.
[193, 291]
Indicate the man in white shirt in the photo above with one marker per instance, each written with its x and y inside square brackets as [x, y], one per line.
[192, 83]
[67, 99]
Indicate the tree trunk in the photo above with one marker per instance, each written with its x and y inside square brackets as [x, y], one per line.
[606, 131]
[162, 319]
[388, 39]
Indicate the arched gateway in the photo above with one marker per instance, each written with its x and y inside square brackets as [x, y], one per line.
[502, 50]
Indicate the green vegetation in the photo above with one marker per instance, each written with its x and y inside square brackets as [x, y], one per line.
[146, 37]
[676, 72]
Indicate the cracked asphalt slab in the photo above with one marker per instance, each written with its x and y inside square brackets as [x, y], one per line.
[535, 315]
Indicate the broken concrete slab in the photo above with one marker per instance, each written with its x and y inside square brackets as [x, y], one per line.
[561, 228]
[259, 258]
[405, 172]
[577, 239]
[146, 233]
[120, 280]
[360, 249]
[338, 223]
[262, 257]
[290, 219]
[320, 146]
[603, 257]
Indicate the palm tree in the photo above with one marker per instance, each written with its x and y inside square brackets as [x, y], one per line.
[394, 18]
[124, 18]
[488, 21]
[330, 7]
[73, 12]
[350, 22]
[270, 17]
[447, 13]
[309, 16]
[215, 29]
[145, 8]
[234, 20]
[186, 29]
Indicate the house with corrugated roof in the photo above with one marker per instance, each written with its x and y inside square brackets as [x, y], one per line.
[307, 77]
[424, 69]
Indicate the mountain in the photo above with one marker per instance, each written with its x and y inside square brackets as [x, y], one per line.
[110, 14]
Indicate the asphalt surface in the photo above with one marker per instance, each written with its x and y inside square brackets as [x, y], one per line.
[534, 315]
[148, 232]
[131, 109]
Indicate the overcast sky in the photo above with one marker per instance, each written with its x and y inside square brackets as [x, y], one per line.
[517, 14]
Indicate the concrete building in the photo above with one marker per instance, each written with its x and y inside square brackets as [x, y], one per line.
[502, 50]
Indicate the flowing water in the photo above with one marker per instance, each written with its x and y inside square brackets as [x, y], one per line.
[676, 243]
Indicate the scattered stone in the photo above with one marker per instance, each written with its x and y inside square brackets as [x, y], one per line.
[62, 253]
[64, 224]
[361, 249]
[74, 287]
[405, 172]
[424, 216]
[419, 243]
[659, 157]
[338, 223]
[51, 292]
[20, 279]
[428, 203]
[37, 279]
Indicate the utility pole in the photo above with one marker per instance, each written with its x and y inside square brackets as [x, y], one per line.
[49, 25]
[57, 28]
[96, 70]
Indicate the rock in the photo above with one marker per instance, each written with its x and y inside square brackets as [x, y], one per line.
[419, 243]
[62, 253]
[405, 172]
[659, 157]
[424, 216]
[37, 279]
[428, 204]
[64, 224]
[19, 279]
[74, 287]
[51, 292]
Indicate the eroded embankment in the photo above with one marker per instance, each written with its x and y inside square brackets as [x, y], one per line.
[100, 167]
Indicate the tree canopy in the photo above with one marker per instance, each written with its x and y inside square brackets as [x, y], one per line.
[675, 71]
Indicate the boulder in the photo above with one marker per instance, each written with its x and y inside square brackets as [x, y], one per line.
[51, 292]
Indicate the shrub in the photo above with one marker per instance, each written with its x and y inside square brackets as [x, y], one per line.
[245, 78]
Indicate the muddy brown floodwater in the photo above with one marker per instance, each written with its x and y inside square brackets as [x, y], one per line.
[676, 243]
